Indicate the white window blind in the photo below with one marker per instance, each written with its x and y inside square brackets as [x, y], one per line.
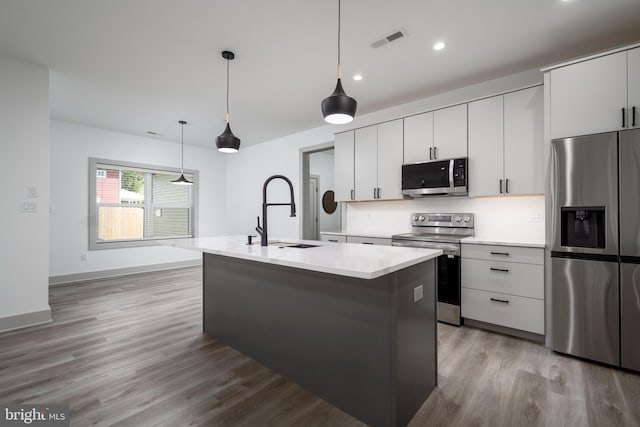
[136, 204]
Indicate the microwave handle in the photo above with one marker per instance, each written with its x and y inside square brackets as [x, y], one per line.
[451, 183]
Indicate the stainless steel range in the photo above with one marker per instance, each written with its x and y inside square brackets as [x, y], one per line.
[441, 231]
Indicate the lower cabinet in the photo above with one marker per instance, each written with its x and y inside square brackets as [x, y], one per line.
[504, 285]
[365, 240]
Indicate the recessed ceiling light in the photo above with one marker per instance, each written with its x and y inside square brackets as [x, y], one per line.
[357, 77]
[439, 46]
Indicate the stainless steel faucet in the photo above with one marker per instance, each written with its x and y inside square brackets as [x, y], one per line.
[263, 230]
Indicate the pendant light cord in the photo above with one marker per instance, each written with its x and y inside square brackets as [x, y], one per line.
[339, 70]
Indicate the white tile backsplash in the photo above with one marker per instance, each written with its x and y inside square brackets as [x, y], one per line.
[515, 218]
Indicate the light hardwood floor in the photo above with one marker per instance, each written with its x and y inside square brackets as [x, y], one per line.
[130, 351]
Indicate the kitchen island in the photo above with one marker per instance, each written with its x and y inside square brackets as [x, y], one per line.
[354, 324]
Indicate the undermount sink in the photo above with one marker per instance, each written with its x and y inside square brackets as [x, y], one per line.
[292, 245]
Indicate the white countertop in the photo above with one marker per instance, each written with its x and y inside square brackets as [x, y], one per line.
[344, 259]
[504, 242]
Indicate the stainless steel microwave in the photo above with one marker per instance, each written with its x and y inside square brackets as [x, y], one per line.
[435, 178]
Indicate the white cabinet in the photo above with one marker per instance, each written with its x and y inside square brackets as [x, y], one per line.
[418, 138]
[369, 240]
[506, 144]
[335, 238]
[450, 132]
[595, 95]
[390, 160]
[633, 86]
[524, 141]
[344, 166]
[503, 285]
[368, 163]
[440, 134]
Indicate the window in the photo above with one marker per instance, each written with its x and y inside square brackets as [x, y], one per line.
[133, 204]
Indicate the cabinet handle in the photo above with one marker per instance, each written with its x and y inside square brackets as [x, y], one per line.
[331, 240]
[378, 192]
[504, 301]
[633, 116]
[506, 185]
[624, 125]
[504, 270]
[430, 153]
[500, 186]
[435, 152]
[367, 243]
[500, 253]
[352, 194]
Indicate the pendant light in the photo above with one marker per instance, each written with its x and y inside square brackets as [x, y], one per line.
[182, 180]
[227, 142]
[339, 108]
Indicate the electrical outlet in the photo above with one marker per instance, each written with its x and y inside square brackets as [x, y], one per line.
[418, 293]
[29, 206]
[83, 256]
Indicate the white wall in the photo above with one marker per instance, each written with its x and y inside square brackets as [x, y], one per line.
[24, 161]
[247, 170]
[71, 147]
[510, 218]
[321, 164]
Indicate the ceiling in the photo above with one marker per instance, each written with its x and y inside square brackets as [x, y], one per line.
[142, 65]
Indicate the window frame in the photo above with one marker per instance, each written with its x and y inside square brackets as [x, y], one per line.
[94, 244]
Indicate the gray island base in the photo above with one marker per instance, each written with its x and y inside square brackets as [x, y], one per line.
[362, 345]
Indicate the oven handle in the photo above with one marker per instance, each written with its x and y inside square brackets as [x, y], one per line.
[448, 249]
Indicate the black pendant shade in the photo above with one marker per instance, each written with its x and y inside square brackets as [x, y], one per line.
[227, 142]
[182, 180]
[339, 108]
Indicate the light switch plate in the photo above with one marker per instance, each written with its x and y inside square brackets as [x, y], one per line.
[29, 206]
[418, 293]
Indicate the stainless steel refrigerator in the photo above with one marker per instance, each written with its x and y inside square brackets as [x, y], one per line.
[595, 248]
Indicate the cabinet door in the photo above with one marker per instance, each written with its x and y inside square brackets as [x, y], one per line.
[418, 138]
[343, 166]
[486, 146]
[450, 132]
[633, 75]
[524, 141]
[588, 97]
[366, 162]
[390, 160]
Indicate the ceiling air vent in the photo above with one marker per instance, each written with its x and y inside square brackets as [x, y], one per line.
[389, 38]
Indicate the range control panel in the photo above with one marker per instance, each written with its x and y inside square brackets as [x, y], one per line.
[442, 220]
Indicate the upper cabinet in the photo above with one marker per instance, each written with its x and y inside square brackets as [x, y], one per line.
[506, 144]
[440, 134]
[595, 95]
[344, 166]
[450, 132]
[368, 163]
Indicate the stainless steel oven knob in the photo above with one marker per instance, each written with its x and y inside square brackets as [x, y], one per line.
[457, 219]
[415, 218]
[421, 218]
[467, 219]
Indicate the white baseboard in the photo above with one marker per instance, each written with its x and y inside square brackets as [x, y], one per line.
[104, 274]
[25, 320]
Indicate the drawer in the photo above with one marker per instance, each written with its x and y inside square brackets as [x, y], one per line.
[504, 253]
[525, 280]
[369, 240]
[526, 314]
[333, 238]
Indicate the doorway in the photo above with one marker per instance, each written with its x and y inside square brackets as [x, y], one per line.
[317, 184]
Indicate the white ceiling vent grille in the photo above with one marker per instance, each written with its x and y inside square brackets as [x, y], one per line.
[395, 35]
